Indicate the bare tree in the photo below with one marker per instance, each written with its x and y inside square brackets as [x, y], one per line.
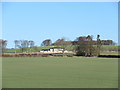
[31, 43]
[24, 45]
[3, 44]
[17, 43]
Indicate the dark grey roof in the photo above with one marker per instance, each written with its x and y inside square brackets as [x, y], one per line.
[45, 49]
[56, 48]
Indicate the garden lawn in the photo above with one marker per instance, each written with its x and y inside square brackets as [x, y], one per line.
[60, 72]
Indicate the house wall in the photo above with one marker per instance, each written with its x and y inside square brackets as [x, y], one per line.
[53, 51]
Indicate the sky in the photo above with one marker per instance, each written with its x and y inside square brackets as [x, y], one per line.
[38, 21]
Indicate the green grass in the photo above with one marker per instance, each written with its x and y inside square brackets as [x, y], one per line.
[109, 53]
[60, 72]
[109, 50]
[70, 47]
[35, 49]
[109, 47]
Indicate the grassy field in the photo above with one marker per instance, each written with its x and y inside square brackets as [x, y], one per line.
[60, 72]
[109, 53]
[105, 49]
[35, 49]
[109, 47]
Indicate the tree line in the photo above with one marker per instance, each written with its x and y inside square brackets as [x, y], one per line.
[84, 45]
[25, 45]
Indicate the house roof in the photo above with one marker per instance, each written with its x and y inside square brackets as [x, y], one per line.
[56, 48]
[45, 50]
[52, 48]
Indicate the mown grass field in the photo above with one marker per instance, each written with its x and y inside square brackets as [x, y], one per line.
[60, 72]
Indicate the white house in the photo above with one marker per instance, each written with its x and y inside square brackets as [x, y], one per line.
[52, 50]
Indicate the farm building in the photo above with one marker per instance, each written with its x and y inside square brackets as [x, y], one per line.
[53, 50]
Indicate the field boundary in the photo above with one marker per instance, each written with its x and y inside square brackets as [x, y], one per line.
[50, 54]
[109, 56]
[60, 88]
